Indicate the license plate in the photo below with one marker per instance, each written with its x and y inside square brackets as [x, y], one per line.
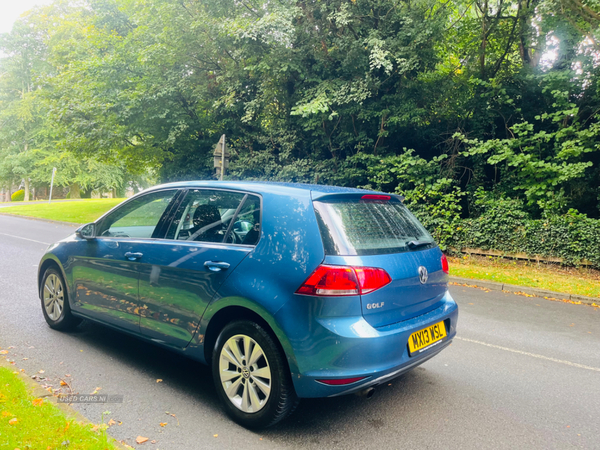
[426, 338]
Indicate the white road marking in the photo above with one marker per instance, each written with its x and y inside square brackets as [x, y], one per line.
[26, 239]
[533, 355]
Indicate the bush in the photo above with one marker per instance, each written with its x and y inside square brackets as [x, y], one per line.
[18, 196]
[503, 225]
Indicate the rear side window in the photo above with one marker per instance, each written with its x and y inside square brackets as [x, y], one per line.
[217, 216]
[356, 227]
[247, 223]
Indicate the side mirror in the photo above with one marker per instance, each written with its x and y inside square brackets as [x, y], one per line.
[87, 231]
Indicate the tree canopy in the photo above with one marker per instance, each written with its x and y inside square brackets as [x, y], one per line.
[440, 100]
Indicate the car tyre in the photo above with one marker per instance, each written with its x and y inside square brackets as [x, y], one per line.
[251, 376]
[55, 301]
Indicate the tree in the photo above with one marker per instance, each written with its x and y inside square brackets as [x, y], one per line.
[21, 113]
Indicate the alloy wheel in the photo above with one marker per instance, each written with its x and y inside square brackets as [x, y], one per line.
[54, 296]
[245, 373]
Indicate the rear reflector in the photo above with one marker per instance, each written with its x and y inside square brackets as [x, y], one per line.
[344, 280]
[341, 381]
[445, 267]
[375, 198]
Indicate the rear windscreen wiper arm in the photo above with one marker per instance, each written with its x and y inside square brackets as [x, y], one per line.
[417, 244]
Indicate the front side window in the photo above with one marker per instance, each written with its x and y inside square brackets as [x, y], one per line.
[216, 216]
[137, 218]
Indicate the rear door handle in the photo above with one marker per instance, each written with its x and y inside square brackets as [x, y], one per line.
[133, 256]
[216, 266]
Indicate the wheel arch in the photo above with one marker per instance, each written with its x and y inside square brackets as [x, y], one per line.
[231, 312]
[45, 265]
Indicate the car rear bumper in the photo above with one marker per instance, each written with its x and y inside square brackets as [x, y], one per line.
[390, 375]
[348, 347]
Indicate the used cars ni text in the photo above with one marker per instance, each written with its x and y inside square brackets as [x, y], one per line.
[288, 291]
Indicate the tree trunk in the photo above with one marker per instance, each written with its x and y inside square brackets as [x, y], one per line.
[484, 32]
[524, 32]
[75, 191]
[114, 193]
[26, 197]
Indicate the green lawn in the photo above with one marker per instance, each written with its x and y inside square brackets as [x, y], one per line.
[569, 280]
[30, 423]
[83, 211]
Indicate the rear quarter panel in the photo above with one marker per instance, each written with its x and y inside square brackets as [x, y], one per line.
[289, 249]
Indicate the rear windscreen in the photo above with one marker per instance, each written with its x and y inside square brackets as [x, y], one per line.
[355, 227]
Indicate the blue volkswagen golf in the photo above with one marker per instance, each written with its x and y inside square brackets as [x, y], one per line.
[288, 291]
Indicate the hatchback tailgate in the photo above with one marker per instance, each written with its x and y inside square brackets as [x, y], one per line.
[406, 296]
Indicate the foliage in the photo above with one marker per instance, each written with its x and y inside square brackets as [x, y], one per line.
[503, 225]
[30, 145]
[87, 173]
[541, 160]
[18, 196]
[20, 109]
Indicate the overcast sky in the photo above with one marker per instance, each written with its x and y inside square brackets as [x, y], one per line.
[10, 10]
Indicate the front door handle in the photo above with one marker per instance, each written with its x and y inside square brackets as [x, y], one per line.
[133, 256]
[216, 266]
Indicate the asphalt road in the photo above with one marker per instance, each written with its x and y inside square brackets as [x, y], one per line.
[522, 373]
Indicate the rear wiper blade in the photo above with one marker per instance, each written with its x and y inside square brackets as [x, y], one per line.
[417, 244]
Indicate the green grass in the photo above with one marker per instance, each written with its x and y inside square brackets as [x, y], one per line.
[83, 211]
[569, 280]
[40, 424]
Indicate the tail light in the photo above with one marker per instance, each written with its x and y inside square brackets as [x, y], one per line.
[344, 280]
[445, 267]
[371, 278]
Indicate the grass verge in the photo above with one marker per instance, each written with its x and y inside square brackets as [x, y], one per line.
[83, 211]
[27, 422]
[569, 280]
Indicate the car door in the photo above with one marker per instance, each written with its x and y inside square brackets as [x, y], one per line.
[106, 274]
[201, 248]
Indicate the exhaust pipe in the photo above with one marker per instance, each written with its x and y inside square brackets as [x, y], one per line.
[366, 393]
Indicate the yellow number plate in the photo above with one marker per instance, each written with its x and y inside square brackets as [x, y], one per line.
[426, 338]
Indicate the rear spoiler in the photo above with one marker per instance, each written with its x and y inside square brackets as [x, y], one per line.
[380, 197]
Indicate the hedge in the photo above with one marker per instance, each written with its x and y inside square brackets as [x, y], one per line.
[574, 237]
[503, 225]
